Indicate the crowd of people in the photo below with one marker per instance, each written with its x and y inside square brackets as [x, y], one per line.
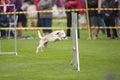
[99, 17]
[6, 18]
[106, 18]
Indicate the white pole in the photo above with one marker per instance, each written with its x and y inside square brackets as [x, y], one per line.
[15, 37]
[75, 61]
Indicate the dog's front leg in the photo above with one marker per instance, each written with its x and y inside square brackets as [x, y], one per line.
[59, 38]
[40, 46]
[37, 50]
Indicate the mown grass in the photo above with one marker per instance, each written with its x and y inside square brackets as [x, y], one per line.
[99, 59]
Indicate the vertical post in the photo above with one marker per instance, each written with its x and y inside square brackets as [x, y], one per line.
[88, 25]
[75, 60]
[15, 35]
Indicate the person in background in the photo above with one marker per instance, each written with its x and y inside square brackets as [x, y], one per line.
[60, 6]
[4, 18]
[73, 4]
[4, 7]
[37, 9]
[95, 17]
[119, 10]
[45, 18]
[24, 7]
[109, 18]
[101, 22]
[117, 14]
[21, 17]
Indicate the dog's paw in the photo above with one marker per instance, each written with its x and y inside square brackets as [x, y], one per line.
[37, 51]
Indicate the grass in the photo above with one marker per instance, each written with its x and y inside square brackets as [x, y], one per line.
[99, 60]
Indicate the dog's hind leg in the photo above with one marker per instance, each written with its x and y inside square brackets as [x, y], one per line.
[46, 44]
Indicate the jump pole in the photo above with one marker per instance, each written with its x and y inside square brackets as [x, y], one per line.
[15, 37]
[75, 60]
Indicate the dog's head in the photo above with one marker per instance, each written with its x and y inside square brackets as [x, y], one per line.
[61, 34]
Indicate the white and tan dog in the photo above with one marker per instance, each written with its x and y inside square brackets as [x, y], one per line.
[52, 37]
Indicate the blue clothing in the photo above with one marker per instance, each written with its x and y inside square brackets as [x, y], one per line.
[46, 22]
[101, 23]
[4, 22]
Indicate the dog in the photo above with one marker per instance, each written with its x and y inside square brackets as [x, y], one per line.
[52, 37]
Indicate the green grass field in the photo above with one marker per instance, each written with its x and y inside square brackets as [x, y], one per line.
[99, 59]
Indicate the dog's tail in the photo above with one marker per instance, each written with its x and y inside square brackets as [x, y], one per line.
[39, 35]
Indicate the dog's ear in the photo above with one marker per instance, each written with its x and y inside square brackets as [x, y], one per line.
[57, 33]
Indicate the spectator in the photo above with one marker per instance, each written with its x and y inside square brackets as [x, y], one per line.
[37, 9]
[21, 17]
[45, 18]
[109, 18]
[73, 4]
[4, 21]
[24, 7]
[117, 14]
[4, 8]
[83, 20]
[60, 5]
[95, 17]
[119, 10]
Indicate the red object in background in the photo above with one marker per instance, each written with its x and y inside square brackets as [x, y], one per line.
[75, 3]
[36, 2]
[6, 2]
